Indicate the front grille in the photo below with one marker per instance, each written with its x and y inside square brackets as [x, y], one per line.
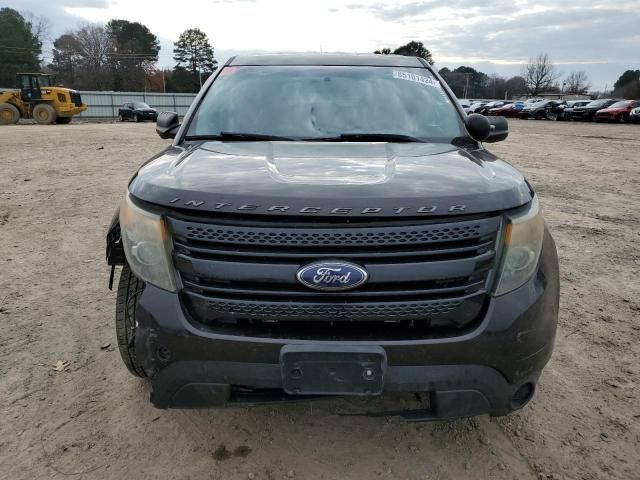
[242, 276]
[76, 99]
[332, 238]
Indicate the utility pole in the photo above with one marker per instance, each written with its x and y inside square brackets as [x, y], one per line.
[466, 85]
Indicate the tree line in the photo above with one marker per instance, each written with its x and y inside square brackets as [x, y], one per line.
[119, 56]
[538, 76]
[123, 56]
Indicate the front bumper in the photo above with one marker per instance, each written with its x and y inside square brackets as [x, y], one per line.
[478, 372]
[583, 115]
[69, 110]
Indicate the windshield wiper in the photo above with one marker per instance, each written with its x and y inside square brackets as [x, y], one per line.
[367, 137]
[238, 136]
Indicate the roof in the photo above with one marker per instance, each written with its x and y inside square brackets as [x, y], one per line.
[328, 59]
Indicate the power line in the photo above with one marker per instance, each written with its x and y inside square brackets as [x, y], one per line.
[111, 54]
[21, 48]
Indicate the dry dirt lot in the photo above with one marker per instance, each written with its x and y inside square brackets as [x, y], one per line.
[59, 186]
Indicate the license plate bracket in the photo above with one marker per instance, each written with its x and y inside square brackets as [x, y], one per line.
[333, 370]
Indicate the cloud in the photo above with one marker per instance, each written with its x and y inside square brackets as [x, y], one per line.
[601, 34]
[583, 35]
[56, 12]
[83, 3]
[396, 12]
[590, 31]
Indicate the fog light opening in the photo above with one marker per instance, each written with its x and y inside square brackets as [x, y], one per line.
[523, 395]
[164, 354]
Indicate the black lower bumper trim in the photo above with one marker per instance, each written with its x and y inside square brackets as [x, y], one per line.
[454, 390]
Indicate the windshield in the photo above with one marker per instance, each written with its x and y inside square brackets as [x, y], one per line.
[320, 102]
[140, 105]
[47, 80]
[598, 103]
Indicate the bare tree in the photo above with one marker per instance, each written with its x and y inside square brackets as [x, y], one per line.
[540, 74]
[40, 26]
[577, 83]
[91, 49]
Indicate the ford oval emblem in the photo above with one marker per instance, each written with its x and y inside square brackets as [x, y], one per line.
[332, 276]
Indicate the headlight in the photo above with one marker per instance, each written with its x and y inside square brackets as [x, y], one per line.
[522, 244]
[146, 245]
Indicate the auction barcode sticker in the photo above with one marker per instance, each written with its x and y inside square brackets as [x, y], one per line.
[414, 77]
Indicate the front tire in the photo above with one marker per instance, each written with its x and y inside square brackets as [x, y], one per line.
[622, 118]
[9, 114]
[138, 118]
[44, 114]
[130, 288]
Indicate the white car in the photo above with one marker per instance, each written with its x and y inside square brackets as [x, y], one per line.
[465, 104]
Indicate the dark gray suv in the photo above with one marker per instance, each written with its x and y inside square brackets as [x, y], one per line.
[332, 226]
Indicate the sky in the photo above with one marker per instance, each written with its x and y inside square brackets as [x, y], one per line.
[599, 37]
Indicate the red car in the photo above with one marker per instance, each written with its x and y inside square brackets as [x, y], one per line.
[618, 112]
[509, 110]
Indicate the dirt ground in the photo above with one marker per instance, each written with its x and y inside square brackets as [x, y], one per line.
[59, 186]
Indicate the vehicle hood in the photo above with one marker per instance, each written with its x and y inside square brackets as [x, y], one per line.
[329, 179]
[612, 110]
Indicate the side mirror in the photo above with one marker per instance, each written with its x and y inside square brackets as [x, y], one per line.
[499, 129]
[167, 124]
[487, 129]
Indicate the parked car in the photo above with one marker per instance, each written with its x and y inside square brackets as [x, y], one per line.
[138, 111]
[484, 110]
[567, 113]
[634, 116]
[544, 110]
[465, 104]
[617, 112]
[587, 112]
[278, 261]
[475, 106]
[510, 110]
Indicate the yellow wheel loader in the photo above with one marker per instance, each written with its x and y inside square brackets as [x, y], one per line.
[37, 97]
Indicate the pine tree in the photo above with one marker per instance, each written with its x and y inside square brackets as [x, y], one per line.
[19, 47]
[192, 52]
